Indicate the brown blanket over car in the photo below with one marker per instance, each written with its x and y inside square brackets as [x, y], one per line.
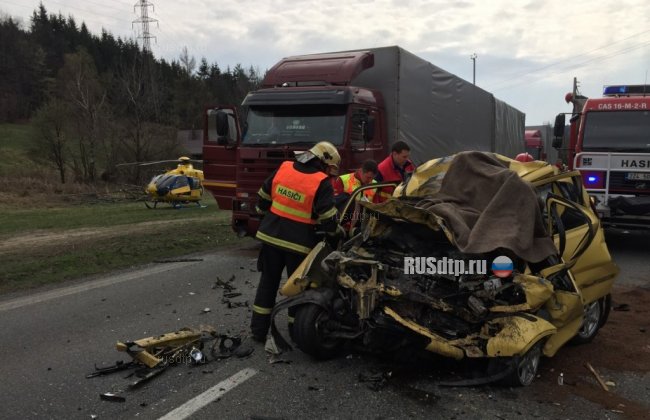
[486, 206]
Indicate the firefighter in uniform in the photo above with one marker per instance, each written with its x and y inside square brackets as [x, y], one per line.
[297, 200]
[394, 168]
[346, 184]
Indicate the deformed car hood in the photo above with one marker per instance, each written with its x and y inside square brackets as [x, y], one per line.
[479, 201]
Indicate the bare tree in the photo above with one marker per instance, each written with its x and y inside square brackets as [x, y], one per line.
[140, 138]
[80, 87]
[188, 63]
[50, 120]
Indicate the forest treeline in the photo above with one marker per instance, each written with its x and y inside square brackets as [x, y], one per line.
[98, 100]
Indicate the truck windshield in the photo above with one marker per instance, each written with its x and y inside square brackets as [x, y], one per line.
[617, 131]
[295, 124]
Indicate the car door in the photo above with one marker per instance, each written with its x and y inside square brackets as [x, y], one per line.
[579, 236]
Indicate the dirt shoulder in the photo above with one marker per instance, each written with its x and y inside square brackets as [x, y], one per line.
[620, 353]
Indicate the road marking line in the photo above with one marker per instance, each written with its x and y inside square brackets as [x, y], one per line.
[71, 290]
[201, 400]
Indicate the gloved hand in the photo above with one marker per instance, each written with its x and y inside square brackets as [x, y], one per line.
[333, 238]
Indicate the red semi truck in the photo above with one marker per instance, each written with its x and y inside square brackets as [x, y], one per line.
[362, 101]
[609, 143]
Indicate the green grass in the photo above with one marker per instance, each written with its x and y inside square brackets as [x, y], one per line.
[101, 215]
[31, 270]
[16, 141]
[16, 136]
[132, 242]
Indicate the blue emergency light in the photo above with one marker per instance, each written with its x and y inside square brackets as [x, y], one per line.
[592, 179]
[615, 90]
[626, 90]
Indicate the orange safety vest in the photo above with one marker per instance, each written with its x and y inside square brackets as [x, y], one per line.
[293, 193]
[351, 183]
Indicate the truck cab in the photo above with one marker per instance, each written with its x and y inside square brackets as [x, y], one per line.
[303, 100]
[610, 145]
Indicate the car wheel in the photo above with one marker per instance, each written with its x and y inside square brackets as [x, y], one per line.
[595, 316]
[310, 332]
[524, 368]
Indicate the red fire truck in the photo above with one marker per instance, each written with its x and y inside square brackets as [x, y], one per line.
[609, 143]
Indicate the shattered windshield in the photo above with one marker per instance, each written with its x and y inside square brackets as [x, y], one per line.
[295, 124]
[617, 131]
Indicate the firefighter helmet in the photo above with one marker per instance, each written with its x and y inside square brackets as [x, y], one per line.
[524, 157]
[327, 153]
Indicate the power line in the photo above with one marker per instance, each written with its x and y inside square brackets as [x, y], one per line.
[527, 73]
[578, 65]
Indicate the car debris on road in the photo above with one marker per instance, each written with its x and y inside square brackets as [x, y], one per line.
[151, 356]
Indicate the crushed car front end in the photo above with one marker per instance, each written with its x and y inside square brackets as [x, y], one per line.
[424, 269]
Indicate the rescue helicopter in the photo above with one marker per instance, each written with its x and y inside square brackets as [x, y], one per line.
[179, 186]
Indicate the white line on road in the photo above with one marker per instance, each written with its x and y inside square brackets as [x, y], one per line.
[65, 291]
[201, 400]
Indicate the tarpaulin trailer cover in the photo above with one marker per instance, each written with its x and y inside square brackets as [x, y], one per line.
[436, 112]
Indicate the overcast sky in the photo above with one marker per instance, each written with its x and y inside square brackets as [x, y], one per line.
[527, 51]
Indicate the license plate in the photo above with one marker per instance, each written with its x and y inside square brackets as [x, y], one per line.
[638, 176]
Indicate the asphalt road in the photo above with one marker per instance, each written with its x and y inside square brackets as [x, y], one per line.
[52, 338]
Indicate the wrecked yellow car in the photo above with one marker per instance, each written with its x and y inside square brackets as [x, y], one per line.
[475, 256]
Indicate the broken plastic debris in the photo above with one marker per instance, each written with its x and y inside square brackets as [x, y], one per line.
[109, 396]
[271, 347]
[197, 356]
[275, 359]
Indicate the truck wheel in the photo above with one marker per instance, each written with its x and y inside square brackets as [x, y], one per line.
[310, 333]
[524, 368]
[596, 314]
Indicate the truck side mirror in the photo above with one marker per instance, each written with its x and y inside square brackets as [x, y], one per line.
[369, 133]
[223, 130]
[558, 128]
[558, 131]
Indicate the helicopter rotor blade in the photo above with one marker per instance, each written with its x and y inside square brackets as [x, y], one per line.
[147, 163]
[157, 162]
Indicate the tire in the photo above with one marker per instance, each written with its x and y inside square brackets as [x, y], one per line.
[596, 314]
[310, 335]
[524, 367]
[607, 306]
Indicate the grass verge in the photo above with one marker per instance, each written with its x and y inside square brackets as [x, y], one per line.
[80, 260]
[116, 236]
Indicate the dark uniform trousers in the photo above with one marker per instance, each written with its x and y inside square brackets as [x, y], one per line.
[272, 261]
